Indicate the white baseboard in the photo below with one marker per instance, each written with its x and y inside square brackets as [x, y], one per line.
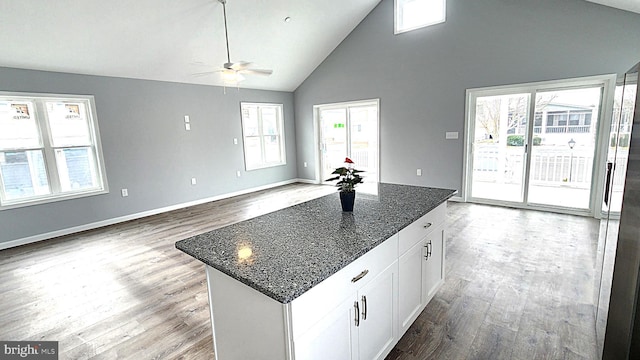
[307, 181]
[95, 225]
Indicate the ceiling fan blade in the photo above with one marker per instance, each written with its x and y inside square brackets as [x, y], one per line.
[264, 72]
[242, 65]
[205, 73]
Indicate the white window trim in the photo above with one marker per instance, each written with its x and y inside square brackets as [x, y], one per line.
[396, 14]
[280, 120]
[37, 98]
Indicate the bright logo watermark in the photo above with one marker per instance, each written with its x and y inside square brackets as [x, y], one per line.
[33, 350]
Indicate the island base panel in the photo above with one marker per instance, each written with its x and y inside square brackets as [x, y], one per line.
[246, 324]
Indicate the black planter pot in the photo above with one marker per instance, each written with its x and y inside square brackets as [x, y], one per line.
[347, 199]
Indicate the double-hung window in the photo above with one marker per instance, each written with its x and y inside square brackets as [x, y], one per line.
[263, 135]
[49, 149]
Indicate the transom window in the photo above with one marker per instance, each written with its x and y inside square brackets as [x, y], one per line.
[415, 14]
[49, 149]
[263, 135]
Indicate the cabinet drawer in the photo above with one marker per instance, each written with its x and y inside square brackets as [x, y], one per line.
[420, 228]
[313, 305]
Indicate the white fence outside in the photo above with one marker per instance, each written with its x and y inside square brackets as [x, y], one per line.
[550, 165]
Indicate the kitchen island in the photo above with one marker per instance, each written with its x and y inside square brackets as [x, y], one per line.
[312, 282]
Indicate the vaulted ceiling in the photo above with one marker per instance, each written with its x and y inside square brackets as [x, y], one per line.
[173, 40]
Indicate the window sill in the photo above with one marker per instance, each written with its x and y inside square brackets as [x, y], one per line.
[50, 199]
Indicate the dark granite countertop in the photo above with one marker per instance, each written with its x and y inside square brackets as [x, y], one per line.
[285, 253]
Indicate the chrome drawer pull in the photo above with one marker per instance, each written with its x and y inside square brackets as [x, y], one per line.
[357, 313]
[360, 276]
[427, 226]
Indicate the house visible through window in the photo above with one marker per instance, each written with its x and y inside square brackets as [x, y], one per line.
[415, 14]
[49, 149]
[263, 135]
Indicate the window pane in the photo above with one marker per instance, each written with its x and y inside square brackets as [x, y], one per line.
[253, 153]
[272, 149]
[68, 123]
[250, 120]
[18, 128]
[269, 121]
[77, 169]
[23, 174]
[419, 13]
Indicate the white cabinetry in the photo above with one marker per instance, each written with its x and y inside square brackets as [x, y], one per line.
[362, 327]
[361, 324]
[358, 313]
[421, 265]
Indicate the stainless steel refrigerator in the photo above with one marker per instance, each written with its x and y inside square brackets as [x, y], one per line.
[618, 291]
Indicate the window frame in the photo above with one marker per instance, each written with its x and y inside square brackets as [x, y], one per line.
[42, 121]
[263, 164]
[397, 12]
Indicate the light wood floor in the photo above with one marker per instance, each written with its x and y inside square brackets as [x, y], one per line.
[519, 286]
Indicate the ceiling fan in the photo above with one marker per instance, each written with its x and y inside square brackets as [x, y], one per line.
[232, 73]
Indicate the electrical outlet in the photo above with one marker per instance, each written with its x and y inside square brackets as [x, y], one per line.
[305, 164]
[419, 172]
[186, 118]
[187, 126]
[235, 141]
[238, 173]
[193, 181]
[124, 192]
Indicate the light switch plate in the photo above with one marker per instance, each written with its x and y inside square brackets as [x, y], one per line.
[124, 192]
[186, 118]
[451, 135]
[187, 126]
[193, 181]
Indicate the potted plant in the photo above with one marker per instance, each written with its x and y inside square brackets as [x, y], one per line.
[348, 177]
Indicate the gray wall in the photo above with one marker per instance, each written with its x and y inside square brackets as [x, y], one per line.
[146, 148]
[421, 76]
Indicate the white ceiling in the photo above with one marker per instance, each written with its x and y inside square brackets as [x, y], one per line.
[171, 40]
[629, 5]
[166, 39]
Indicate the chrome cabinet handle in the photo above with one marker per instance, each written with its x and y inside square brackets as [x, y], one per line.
[428, 246]
[357, 311]
[364, 307]
[360, 276]
[428, 225]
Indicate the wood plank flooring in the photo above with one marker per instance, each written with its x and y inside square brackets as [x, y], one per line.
[519, 286]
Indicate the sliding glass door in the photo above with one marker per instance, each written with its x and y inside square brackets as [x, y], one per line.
[349, 130]
[564, 147]
[535, 145]
[498, 147]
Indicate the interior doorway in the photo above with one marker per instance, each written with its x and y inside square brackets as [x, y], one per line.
[349, 129]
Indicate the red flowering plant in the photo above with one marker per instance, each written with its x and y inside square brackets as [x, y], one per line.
[348, 177]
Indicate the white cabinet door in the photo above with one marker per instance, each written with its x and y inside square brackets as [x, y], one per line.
[376, 332]
[434, 264]
[334, 337]
[411, 286]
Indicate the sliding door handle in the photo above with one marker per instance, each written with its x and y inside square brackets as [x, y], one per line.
[607, 185]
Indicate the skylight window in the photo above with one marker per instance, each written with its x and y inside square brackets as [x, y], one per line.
[415, 14]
